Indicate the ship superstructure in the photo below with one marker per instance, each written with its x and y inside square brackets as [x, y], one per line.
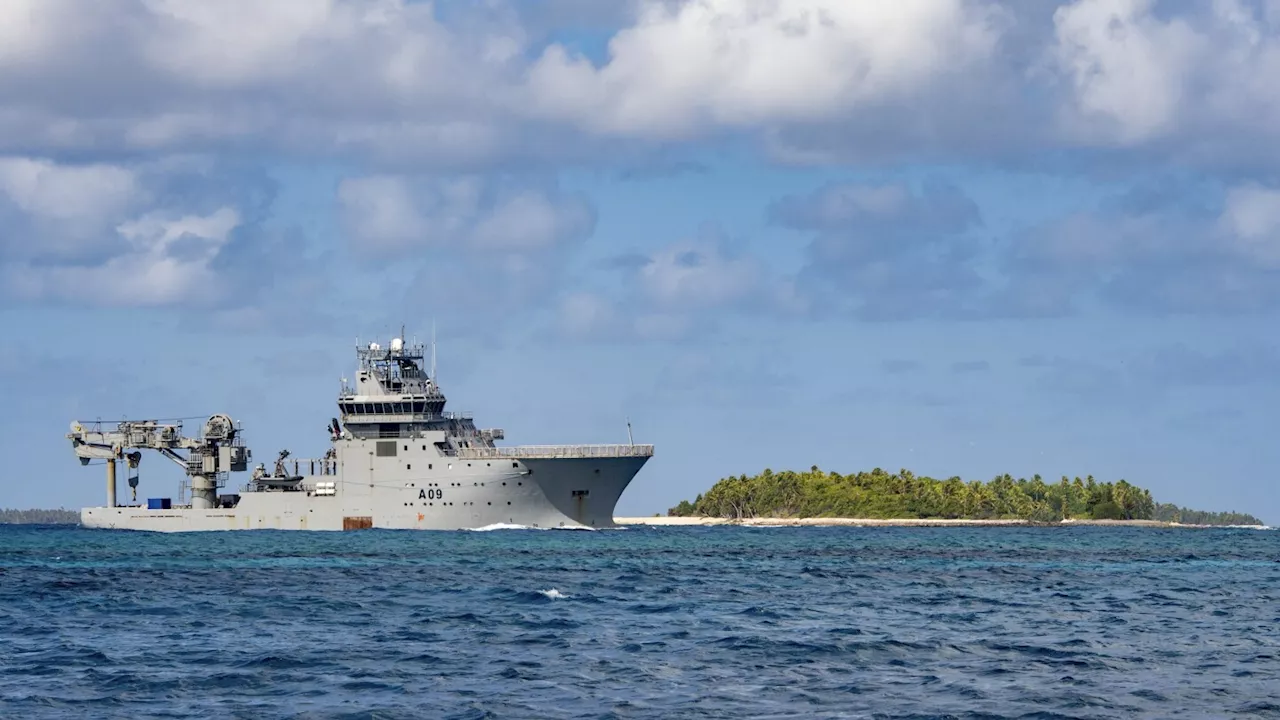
[396, 459]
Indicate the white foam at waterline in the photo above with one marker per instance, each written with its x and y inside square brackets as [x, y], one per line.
[509, 526]
[554, 594]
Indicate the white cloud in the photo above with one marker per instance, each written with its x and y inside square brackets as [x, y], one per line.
[306, 76]
[381, 213]
[532, 220]
[386, 214]
[396, 83]
[588, 314]
[70, 205]
[742, 63]
[234, 42]
[169, 261]
[679, 291]
[1251, 220]
[1141, 72]
[1125, 65]
[696, 275]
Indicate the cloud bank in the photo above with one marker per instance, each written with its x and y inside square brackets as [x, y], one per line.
[451, 124]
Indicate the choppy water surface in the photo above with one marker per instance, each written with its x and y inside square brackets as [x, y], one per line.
[643, 622]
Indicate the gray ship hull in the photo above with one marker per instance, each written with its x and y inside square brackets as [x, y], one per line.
[397, 460]
[462, 493]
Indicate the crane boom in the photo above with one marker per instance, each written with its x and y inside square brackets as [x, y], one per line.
[216, 451]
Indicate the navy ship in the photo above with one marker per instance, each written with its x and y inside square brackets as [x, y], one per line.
[396, 459]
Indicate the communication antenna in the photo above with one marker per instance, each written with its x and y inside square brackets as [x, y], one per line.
[629, 438]
[433, 348]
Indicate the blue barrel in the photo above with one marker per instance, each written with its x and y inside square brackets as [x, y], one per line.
[158, 504]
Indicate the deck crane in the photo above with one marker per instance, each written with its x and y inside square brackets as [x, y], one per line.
[212, 454]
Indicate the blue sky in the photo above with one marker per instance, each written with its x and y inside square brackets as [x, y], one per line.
[958, 236]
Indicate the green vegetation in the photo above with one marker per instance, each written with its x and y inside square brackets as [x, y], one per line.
[1168, 512]
[39, 517]
[902, 495]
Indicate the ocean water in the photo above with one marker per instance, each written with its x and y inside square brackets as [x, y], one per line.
[643, 622]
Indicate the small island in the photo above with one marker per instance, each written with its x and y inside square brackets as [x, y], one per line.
[881, 497]
[10, 516]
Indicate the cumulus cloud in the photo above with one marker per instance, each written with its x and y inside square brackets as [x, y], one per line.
[481, 89]
[168, 261]
[1163, 252]
[683, 67]
[887, 251]
[1147, 378]
[185, 233]
[692, 276]
[311, 77]
[494, 248]
[54, 210]
[1250, 222]
[1193, 79]
[678, 291]
[1126, 67]
[386, 214]
[399, 83]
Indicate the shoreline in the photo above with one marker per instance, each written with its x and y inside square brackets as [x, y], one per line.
[699, 521]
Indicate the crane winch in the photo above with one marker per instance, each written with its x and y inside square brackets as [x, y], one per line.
[212, 454]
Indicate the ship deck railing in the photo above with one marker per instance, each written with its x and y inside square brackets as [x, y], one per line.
[556, 451]
[312, 466]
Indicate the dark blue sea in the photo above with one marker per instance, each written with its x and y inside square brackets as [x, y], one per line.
[641, 623]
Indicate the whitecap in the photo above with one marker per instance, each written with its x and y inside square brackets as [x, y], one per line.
[500, 526]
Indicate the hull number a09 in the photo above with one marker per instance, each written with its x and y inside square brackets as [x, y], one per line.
[430, 494]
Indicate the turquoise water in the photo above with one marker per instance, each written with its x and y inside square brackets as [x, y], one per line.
[644, 622]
